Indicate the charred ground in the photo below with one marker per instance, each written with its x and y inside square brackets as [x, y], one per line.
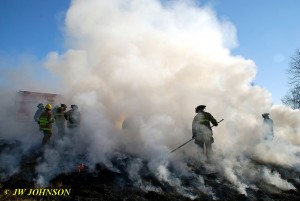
[116, 183]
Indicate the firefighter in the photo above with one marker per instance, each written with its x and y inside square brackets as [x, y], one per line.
[60, 120]
[54, 109]
[45, 121]
[267, 127]
[202, 132]
[39, 111]
[73, 117]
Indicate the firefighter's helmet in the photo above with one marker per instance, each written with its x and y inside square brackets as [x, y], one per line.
[40, 105]
[264, 115]
[200, 107]
[48, 106]
[74, 107]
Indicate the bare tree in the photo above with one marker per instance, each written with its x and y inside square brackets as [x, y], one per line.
[292, 98]
[294, 69]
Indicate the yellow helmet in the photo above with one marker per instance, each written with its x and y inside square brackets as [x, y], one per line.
[48, 106]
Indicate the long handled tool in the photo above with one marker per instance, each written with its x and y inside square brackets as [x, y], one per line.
[191, 139]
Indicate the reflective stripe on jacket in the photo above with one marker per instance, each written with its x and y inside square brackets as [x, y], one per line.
[45, 121]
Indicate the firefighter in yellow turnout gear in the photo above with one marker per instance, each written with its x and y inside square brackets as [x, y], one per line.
[45, 121]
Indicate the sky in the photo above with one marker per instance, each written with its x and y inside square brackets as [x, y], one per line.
[267, 33]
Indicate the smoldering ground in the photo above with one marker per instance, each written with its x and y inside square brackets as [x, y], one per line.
[153, 63]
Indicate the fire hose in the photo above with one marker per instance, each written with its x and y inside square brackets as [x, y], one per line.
[190, 140]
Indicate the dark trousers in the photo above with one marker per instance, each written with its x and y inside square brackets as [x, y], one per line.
[47, 136]
[61, 131]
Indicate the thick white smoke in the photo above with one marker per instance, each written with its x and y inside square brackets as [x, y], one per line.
[152, 64]
[140, 58]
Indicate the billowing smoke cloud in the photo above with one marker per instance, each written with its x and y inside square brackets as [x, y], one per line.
[151, 64]
[140, 58]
